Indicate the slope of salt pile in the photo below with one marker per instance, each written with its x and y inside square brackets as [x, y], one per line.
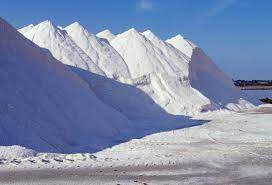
[103, 54]
[61, 45]
[106, 34]
[46, 107]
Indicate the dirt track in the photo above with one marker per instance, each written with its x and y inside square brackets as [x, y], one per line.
[195, 173]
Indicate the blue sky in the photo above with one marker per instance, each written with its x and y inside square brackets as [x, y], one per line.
[235, 33]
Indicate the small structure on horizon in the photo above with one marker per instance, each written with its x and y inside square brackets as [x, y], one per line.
[253, 84]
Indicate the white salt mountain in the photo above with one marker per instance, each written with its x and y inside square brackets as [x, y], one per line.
[207, 78]
[161, 71]
[175, 56]
[102, 53]
[44, 105]
[182, 44]
[140, 54]
[27, 28]
[128, 99]
[106, 34]
[176, 81]
[60, 44]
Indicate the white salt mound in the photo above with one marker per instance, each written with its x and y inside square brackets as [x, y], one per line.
[43, 104]
[16, 151]
[102, 53]
[176, 74]
[61, 45]
[106, 34]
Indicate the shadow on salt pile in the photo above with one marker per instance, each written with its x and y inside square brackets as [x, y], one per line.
[145, 115]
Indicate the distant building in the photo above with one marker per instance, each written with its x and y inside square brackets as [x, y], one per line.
[245, 83]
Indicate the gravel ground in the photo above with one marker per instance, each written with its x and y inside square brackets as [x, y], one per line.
[248, 171]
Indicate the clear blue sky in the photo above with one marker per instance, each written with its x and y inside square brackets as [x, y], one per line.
[237, 34]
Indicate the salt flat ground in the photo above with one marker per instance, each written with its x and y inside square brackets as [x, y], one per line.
[232, 148]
